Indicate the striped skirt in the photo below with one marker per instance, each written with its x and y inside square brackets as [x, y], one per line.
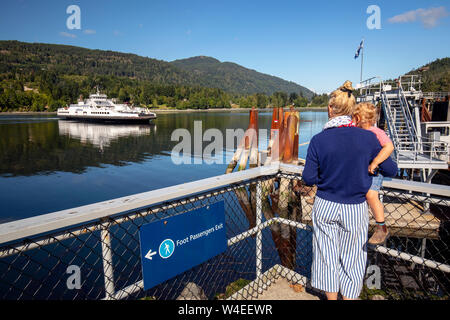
[339, 247]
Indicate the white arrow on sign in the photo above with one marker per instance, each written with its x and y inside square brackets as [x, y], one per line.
[150, 254]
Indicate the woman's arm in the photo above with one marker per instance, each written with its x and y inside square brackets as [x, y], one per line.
[388, 167]
[385, 153]
[311, 170]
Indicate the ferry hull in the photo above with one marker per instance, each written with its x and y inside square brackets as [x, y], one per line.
[145, 119]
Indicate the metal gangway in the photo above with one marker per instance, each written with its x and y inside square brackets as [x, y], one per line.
[400, 103]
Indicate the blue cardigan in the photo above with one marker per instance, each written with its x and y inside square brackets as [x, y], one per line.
[338, 160]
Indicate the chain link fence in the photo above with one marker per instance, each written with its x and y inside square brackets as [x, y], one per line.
[269, 233]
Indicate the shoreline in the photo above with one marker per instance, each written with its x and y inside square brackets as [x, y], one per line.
[32, 113]
[162, 111]
[237, 110]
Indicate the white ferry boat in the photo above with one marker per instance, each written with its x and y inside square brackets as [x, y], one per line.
[99, 108]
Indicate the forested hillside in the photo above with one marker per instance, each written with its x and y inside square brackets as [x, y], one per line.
[38, 77]
[62, 59]
[235, 78]
[435, 76]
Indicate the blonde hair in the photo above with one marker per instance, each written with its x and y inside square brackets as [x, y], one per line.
[342, 101]
[367, 112]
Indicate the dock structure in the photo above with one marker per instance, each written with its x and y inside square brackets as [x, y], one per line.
[400, 102]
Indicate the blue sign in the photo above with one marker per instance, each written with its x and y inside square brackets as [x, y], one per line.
[174, 245]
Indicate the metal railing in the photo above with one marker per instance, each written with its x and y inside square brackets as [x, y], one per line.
[390, 116]
[409, 121]
[430, 150]
[411, 83]
[101, 240]
[436, 95]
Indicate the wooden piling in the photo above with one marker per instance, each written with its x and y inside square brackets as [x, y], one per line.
[246, 152]
[283, 146]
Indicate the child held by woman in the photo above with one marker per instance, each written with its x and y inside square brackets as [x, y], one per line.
[365, 117]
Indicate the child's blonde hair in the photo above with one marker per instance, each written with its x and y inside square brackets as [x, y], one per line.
[367, 112]
[342, 100]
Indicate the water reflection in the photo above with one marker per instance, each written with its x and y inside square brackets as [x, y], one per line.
[44, 145]
[101, 135]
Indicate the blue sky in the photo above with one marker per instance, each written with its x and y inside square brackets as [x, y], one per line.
[309, 42]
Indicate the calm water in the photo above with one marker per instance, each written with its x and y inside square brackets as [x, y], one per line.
[48, 165]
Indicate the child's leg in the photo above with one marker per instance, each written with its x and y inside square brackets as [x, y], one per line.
[381, 232]
[376, 205]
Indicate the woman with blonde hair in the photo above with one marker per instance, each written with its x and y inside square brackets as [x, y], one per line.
[337, 162]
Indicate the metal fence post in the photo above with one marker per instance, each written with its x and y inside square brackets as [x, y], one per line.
[108, 269]
[259, 234]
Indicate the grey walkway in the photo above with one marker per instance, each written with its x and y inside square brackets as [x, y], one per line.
[280, 289]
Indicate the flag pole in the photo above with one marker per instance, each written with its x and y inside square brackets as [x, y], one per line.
[362, 62]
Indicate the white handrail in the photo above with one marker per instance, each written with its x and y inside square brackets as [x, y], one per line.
[66, 218]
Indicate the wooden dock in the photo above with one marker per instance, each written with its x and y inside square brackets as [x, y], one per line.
[403, 219]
